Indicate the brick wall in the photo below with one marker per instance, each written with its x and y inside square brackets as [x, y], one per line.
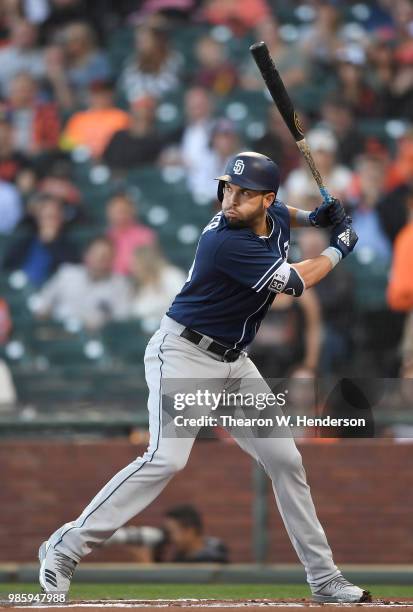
[363, 491]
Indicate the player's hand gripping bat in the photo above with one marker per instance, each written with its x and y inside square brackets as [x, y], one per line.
[283, 102]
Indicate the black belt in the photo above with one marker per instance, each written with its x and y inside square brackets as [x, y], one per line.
[227, 354]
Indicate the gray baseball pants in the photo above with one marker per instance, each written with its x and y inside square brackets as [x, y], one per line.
[168, 356]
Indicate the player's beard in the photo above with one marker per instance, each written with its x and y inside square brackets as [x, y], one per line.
[244, 223]
[237, 223]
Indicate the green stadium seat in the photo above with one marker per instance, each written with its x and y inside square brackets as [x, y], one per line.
[118, 383]
[81, 236]
[4, 244]
[370, 282]
[50, 386]
[125, 341]
[52, 343]
[184, 40]
[242, 107]
[120, 47]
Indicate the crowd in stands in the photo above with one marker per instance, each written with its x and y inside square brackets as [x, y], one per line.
[129, 85]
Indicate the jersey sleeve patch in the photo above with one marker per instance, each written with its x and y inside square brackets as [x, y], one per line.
[280, 278]
[287, 280]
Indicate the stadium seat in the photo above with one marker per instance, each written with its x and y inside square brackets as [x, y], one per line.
[370, 282]
[120, 47]
[51, 342]
[125, 341]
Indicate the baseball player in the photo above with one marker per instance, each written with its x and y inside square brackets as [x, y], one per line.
[239, 268]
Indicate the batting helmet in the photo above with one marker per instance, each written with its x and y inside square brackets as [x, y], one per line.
[251, 170]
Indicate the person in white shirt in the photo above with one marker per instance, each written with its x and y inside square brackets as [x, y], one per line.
[197, 133]
[157, 283]
[300, 185]
[155, 67]
[21, 55]
[223, 143]
[88, 293]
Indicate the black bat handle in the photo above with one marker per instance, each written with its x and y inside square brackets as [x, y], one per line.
[276, 88]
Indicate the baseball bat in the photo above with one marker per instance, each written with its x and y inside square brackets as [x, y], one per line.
[283, 102]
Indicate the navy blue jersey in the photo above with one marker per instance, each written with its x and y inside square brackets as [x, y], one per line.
[230, 285]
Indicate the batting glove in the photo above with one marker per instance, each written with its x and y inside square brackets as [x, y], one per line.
[343, 238]
[329, 213]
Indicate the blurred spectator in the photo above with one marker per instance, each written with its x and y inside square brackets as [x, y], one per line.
[239, 15]
[320, 40]
[89, 293]
[352, 86]
[399, 181]
[61, 13]
[277, 143]
[177, 11]
[125, 232]
[392, 209]
[224, 142]
[184, 528]
[339, 118]
[11, 161]
[8, 13]
[157, 283]
[214, 71]
[7, 388]
[401, 170]
[301, 188]
[34, 11]
[21, 55]
[198, 125]
[10, 207]
[26, 181]
[289, 336]
[36, 124]
[74, 64]
[154, 69]
[375, 351]
[45, 246]
[94, 127]
[382, 67]
[335, 294]
[5, 321]
[58, 183]
[400, 288]
[140, 144]
[371, 176]
[291, 62]
[393, 76]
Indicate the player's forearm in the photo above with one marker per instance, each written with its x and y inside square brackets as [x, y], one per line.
[313, 270]
[299, 218]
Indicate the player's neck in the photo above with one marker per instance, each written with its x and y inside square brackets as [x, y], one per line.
[262, 226]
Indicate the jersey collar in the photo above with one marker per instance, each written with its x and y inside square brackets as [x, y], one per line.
[272, 228]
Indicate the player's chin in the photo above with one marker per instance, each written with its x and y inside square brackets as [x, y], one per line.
[235, 222]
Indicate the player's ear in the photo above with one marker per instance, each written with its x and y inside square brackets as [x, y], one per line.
[268, 199]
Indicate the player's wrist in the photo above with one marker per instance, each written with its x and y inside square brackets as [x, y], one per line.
[333, 254]
[303, 218]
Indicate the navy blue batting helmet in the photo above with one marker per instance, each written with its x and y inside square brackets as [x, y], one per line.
[251, 170]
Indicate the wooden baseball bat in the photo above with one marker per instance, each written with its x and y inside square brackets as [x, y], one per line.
[283, 102]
